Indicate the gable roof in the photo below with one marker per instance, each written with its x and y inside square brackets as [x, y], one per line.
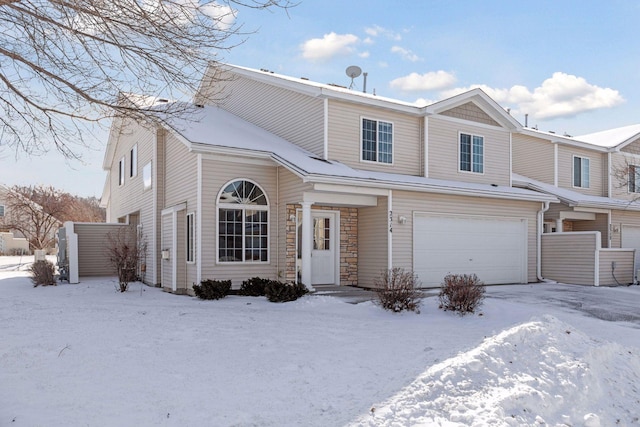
[219, 131]
[612, 138]
[311, 88]
[573, 198]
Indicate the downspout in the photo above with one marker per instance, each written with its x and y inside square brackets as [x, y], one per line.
[390, 230]
[545, 207]
[326, 129]
[199, 222]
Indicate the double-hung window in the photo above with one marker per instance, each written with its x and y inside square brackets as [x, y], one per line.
[377, 141]
[634, 179]
[580, 172]
[471, 153]
[243, 223]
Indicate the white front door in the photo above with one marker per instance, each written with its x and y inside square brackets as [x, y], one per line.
[324, 249]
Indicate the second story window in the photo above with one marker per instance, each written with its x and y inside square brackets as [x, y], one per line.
[1, 210]
[121, 172]
[580, 172]
[377, 141]
[133, 161]
[471, 153]
[634, 179]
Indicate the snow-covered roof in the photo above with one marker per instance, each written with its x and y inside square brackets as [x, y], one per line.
[612, 137]
[573, 198]
[217, 130]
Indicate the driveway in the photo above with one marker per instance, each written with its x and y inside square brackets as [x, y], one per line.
[615, 304]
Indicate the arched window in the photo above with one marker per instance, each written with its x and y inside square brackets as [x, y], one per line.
[243, 223]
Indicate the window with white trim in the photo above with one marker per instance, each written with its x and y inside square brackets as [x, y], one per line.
[377, 141]
[580, 172]
[121, 171]
[146, 176]
[471, 153]
[634, 179]
[133, 161]
[243, 223]
[191, 237]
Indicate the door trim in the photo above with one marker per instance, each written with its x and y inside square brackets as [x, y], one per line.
[335, 236]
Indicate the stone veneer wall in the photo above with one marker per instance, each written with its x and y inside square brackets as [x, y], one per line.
[348, 243]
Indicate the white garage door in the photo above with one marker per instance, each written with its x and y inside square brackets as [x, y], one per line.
[631, 239]
[495, 249]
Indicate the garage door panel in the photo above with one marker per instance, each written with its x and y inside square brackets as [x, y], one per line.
[492, 248]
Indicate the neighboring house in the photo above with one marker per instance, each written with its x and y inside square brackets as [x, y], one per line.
[11, 242]
[594, 176]
[297, 180]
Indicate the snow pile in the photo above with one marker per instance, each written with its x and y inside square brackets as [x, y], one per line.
[542, 372]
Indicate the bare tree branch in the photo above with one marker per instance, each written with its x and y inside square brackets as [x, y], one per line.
[66, 64]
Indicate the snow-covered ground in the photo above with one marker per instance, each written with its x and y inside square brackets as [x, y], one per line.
[86, 355]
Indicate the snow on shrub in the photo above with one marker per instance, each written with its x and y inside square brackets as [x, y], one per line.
[462, 293]
[397, 290]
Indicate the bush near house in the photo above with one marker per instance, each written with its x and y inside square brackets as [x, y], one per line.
[462, 293]
[283, 292]
[43, 273]
[254, 287]
[397, 290]
[212, 289]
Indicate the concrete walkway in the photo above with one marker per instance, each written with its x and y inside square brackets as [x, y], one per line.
[351, 294]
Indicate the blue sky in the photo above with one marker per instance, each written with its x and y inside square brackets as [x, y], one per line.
[572, 66]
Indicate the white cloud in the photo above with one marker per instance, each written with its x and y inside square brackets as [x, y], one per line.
[433, 80]
[405, 53]
[329, 46]
[561, 95]
[377, 30]
[365, 54]
[223, 16]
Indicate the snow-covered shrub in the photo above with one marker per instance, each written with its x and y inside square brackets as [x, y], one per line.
[397, 290]
[461, 292]
[43, 273]
[282, 292]
[254, 287]
[212, 289]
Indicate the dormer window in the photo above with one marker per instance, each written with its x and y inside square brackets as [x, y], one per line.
[471, 153]
[580, 172]
[377, 141]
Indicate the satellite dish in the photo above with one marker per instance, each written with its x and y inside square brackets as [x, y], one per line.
[353, 71]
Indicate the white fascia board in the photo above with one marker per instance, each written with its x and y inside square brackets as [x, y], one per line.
[427, 188]
[337, 199]
[176, 208]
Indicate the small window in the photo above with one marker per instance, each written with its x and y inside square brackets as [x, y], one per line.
[191, 237]
[377, 141]
[634, 179]
[146, 176]
[580, 172]
[121, 172]
[133, 161]
[1, 210]
[471, 153]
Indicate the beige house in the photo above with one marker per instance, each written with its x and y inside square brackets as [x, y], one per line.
[594, 176]
[11, 241]
[291, 179]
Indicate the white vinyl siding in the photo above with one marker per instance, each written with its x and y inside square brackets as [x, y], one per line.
[534, 158]
[345, 138]
[377, 141]
[296, 117]
[581, 171]
[597, 170]
[444, 149]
